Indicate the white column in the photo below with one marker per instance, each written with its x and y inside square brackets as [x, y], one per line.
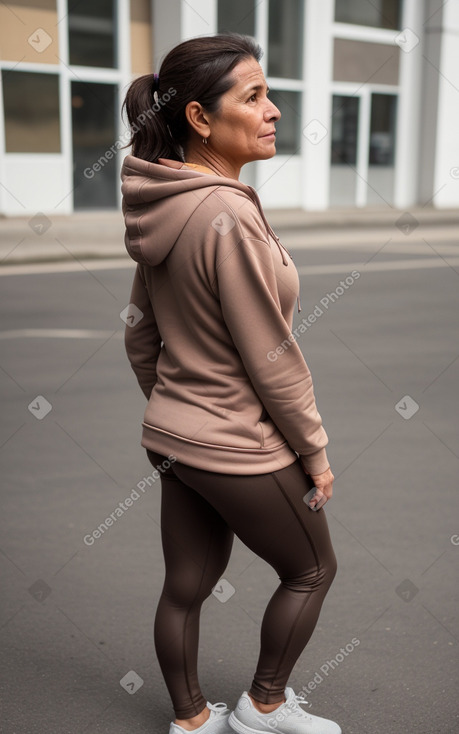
[317, 104]
[363, 146]
[199, 17]
[439, 150]
[65, 206]
[261, 30]
[177, 20]
[253, 174]
[407, 140]
[167, 28]
[124, 65]
[446, 167]
[2, 149]
[124, 38]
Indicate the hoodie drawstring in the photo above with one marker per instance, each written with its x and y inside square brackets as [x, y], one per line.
[282, 248]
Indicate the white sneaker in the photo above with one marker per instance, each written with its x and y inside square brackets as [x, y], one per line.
[217, 723]
[288, 718]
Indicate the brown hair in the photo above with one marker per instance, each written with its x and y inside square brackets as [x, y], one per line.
[197, 70]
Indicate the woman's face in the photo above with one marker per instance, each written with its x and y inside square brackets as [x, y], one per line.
[243, 129]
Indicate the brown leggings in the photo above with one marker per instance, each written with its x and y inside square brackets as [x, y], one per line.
[200, 512]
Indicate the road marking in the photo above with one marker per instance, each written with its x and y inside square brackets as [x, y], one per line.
[59, 334]
[390, 247]
[364, 239]
[375, 267]
[67, 267]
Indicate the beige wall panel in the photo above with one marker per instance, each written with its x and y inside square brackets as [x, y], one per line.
[141, 37]
[360, 61]
[141, 51]
[29, 31]
[141, 11]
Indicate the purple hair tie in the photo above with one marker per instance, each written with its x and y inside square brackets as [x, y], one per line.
[155, 83]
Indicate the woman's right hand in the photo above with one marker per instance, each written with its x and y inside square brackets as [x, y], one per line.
[324, 484]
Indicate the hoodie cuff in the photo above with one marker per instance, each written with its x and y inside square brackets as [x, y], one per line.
[316, 463]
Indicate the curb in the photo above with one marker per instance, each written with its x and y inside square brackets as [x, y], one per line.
[106, 228]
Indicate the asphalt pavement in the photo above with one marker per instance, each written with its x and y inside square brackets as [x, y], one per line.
[380, 302]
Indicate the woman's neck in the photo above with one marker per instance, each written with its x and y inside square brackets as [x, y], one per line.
[203, 156]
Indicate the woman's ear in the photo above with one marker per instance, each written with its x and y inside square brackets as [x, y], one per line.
[197, 119]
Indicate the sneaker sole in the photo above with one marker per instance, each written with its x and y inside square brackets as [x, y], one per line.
[241, 728]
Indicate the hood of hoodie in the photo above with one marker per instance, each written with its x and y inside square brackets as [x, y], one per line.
[158, 200]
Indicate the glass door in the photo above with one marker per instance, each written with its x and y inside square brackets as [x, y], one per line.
[381, 154]
[362, 166]
[95, 175]
[344, 144]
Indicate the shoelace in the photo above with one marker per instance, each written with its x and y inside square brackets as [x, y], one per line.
[293, 705]
[219, 708]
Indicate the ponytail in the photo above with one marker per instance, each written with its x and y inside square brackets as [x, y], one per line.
[150, 136]
[196, 70]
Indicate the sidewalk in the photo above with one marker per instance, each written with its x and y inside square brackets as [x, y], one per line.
[100, 234]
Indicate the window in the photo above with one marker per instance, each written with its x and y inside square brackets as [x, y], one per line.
[288, 128]
[377, 13]
[344, 139]
[95, 147]
[31, 104]
[285, 48]
[382, 129]
[344, 130]
[381, 154]
[237, 16]
[92, 33]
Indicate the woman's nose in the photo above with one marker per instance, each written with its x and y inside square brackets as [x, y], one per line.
[273, 113]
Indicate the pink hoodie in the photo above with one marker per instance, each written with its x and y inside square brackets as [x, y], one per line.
[215, 292]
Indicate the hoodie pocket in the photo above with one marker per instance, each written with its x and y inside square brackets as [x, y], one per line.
[270, 436]
[262, 435]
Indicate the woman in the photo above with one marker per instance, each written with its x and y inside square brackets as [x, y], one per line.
[234, 432]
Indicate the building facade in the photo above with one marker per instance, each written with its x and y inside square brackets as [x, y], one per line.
[369, 95]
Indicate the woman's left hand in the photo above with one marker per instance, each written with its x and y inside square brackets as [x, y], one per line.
[324, 484]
